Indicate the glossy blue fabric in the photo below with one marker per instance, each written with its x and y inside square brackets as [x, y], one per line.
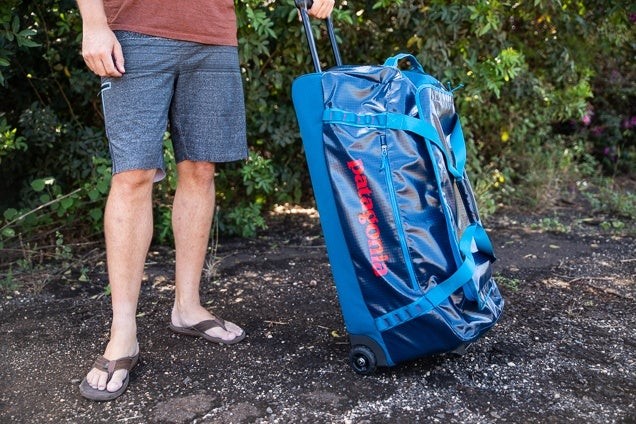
[410, 259]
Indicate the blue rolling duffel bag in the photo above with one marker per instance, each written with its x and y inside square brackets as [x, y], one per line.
[410, 259]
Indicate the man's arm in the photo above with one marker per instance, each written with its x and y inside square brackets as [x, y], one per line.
[100, 48]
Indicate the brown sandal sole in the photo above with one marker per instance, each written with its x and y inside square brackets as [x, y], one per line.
[199, 330]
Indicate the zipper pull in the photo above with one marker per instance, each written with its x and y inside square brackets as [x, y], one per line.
[385, 156]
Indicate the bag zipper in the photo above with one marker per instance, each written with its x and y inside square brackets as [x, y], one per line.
[386, 166]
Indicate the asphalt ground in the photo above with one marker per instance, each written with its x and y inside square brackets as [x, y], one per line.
[562, 352]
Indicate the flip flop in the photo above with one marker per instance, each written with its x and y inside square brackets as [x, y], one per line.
[103, 364]
[199, 330]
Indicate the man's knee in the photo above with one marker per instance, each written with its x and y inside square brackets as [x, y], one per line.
[199, 173]
[134, 181]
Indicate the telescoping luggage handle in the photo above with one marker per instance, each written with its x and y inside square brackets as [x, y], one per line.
[302, 6]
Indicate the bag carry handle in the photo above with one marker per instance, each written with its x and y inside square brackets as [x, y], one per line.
[303, 6]
[394, 60]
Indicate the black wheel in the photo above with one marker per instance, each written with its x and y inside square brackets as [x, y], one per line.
[362, 360]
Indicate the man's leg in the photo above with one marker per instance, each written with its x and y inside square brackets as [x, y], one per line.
[128, 230]
[192, 215]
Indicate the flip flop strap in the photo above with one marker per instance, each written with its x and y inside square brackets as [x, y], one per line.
[110, 367]
[204, 326]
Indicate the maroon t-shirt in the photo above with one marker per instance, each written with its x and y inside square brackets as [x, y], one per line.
[202, 21]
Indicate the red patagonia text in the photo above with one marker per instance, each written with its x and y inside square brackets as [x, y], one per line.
[369, 219]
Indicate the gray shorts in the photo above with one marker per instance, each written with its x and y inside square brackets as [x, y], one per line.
[195, 88]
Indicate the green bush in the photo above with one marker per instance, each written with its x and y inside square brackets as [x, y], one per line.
[54, 171]
[547, 95]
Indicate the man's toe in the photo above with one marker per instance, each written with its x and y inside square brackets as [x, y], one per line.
[97, 379]
[234, 329]
[92, 378]
[116, 381]
[101, 383]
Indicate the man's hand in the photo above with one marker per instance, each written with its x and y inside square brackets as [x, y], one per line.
[102, 52]
[321, 9]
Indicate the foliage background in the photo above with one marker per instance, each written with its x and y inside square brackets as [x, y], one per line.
[547, 106]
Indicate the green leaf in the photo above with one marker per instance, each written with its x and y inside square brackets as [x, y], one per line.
[8, 232]
[67, 202]
[15, 27]
[93, 195]
[38, 185]
[25, 42]
[27, 33]
[96, 214]
[102, 186]
[10, 214]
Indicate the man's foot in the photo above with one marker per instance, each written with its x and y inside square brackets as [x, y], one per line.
[110, 368]
[201, 323]
[102, 380]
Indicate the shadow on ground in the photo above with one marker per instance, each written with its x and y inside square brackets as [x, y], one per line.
[563, 351]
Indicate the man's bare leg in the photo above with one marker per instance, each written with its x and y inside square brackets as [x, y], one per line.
[128, 231]
[192, 215]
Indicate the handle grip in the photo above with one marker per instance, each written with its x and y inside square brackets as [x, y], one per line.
[415, 65]
[303, 6]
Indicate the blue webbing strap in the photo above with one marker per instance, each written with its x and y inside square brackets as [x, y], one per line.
[415, 65]
[398, 121]
[459, 148]
[464, 274]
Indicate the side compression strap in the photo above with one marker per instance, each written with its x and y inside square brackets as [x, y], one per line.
[398, 121]
[473, 235]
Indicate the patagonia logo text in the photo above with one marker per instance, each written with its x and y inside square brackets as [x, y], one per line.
[369, 220]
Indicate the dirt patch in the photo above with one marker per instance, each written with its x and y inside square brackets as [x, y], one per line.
[563, 351]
